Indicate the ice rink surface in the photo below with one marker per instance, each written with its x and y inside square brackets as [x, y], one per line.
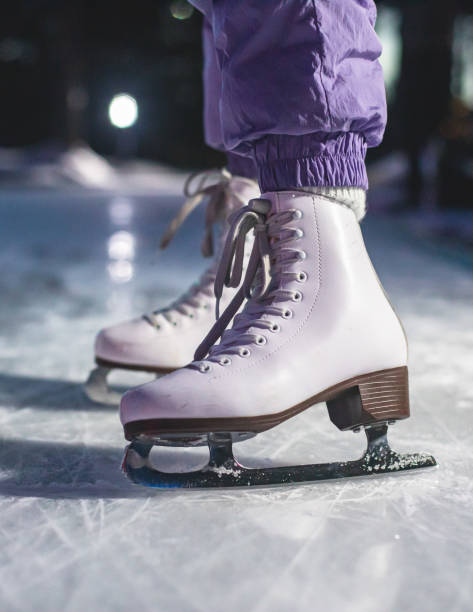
[75, 535]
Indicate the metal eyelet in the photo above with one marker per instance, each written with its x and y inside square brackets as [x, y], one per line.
[298, 233]
[287, 314]
[301, 255]
[296, 296]
[225, 361]
[275, 327]
[297, 214]
[301, 277]
[260, 340]
[204, 368]
[244, 352]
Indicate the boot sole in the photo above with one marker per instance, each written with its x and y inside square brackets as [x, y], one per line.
[381, 396]
[111, 365]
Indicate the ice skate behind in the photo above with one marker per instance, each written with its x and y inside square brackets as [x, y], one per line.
[161, 341]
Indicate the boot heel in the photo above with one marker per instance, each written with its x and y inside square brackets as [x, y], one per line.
[371, 398]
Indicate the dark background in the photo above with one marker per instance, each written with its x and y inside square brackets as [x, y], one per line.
[62, 62]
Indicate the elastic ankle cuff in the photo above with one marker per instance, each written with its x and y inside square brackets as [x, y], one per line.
[312, 160]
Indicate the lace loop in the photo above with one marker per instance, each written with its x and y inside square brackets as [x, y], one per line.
[195, 189]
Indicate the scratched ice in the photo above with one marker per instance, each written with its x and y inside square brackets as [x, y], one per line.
[75, 535]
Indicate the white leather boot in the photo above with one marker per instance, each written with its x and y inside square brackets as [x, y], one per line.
[164, 340]
[318, 327]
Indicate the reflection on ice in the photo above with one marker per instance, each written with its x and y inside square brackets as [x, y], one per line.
[121, 245]
[121, 251]
[120, 271]
[120, 211]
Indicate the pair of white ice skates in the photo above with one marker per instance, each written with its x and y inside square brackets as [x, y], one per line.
[310, 323]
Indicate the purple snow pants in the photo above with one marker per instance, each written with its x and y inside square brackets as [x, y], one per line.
[295, 87]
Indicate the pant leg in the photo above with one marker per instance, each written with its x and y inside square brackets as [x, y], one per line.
[238, 165]
[302, 90]
[212, 85]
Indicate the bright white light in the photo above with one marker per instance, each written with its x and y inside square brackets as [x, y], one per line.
[121, 245]
[123, 111]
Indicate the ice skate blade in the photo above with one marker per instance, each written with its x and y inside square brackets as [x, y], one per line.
[224, 471]
[97, 390]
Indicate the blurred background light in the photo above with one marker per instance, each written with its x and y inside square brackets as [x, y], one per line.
[123, 111]
[388, 28]
[462, 84]
[181, 9]
[121, 245]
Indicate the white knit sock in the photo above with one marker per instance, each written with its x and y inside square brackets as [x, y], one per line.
[353, 197]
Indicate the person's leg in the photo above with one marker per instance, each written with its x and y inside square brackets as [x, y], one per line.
[308, 122]
[302, 93]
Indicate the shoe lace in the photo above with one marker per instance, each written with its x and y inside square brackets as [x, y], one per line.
[268, 271]
[215, 185]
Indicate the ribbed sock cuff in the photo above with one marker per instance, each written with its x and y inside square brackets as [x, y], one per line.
[353, 197]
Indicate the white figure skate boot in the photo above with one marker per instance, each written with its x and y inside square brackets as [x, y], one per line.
[165, 340]
[317, 328]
